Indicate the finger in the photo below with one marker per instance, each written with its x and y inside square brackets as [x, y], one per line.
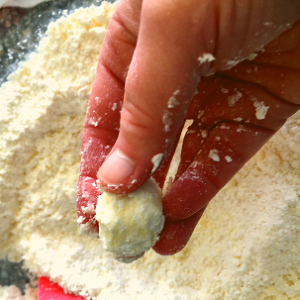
[225, 151]
[221, 150]
[283, 82]
[102, 122]
[176, 234]
[279, 63]
[103, 114]
[223, 98]
[160, 84]
[212, 104]
[213, 112]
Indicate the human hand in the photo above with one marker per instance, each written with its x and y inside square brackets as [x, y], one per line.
[151, 62]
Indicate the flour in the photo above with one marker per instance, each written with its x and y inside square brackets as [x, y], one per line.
[246, 246]
[228, 158]
[225, 91]
[206, 58]
[213, 154]
[156, 160]
[260, 110]
[233, 99]
[173, 101]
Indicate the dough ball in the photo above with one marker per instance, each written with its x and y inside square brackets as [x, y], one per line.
[130, 224]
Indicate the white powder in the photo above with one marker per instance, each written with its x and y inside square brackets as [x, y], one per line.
[114, 107]
[228, 158]
[252, 56]
[233, 99]
[88, 210]
[167, 121]
[167, 116]
[213, 154]
[245, 247]
[156, 160]
[172, 100]
[239, 119]
[206, 58]
[260, 110]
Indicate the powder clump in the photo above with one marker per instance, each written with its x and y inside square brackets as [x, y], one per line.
[130, 224]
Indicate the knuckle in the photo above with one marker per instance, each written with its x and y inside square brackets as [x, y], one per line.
[136, 122]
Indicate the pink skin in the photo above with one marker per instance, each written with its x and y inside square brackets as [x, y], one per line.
[150, 51]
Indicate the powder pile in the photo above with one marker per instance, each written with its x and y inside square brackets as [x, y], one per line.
[245, 247]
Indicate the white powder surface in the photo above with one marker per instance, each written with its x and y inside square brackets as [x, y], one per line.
[206, 58]
[246, 246]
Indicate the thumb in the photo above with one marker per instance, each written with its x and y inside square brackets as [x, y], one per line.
[160, 84]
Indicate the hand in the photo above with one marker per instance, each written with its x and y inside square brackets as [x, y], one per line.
[150, 66]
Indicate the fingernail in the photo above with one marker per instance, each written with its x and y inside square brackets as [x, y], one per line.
[117, 168]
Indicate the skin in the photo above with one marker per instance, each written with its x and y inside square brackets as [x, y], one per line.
[151, 50]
